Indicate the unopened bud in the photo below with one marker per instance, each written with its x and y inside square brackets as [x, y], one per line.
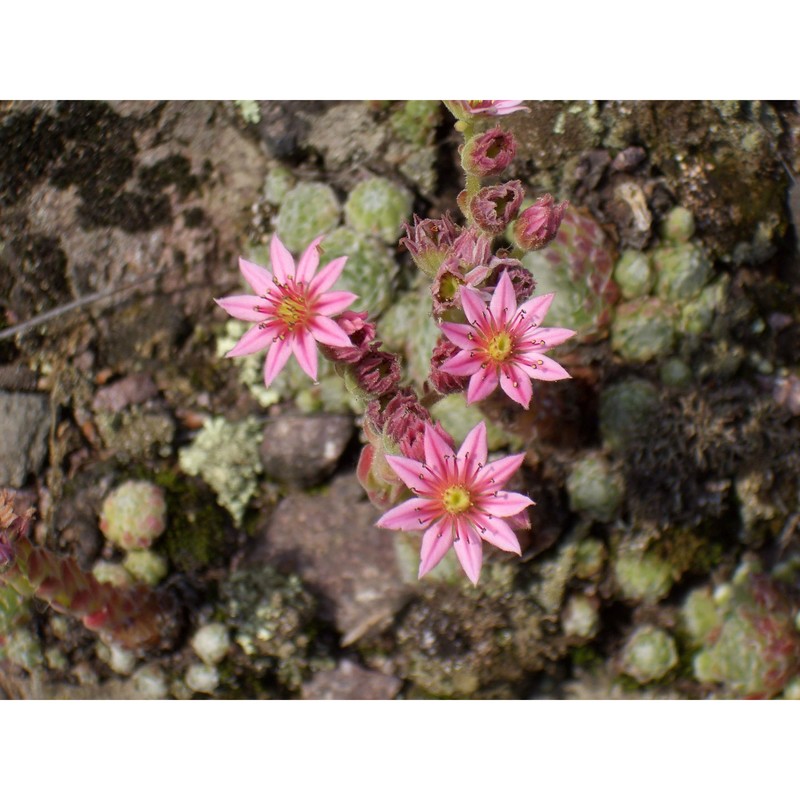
[361, 334]
[538, 224]
[444, 382]
[489, 154]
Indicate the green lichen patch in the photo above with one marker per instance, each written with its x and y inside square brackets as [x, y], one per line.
[225, 454]
[272, 618]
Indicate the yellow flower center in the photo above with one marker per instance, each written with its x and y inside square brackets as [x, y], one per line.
[456, 499]
[500, 346]
[292, 310]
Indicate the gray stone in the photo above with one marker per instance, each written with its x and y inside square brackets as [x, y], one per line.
[349, 681]
[330, 541]
[304, 450]
[24, 425]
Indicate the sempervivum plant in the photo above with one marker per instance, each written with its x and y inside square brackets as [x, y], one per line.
[132, 616]
[473, 325]
[578, 267]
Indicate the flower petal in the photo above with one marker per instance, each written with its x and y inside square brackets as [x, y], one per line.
[473, 306]
[260, 279]
[497, 532]
[504, 504]
[435, 543]
[411, 472]
[543, 368]
[436, 450]
[481, 385]
[503, 304]
[334, 302]
[304, 348]
[516, 384]
[257, 338]
[277, 357]
[469, 549]
[459, 334]
[474, 450]
[536, 308]
[497, 473]
[553, 336]
[463, 363]
[327, 276]
[308, 263]
[243, 306]
[281, 258]
[326, 331]
[412, 515]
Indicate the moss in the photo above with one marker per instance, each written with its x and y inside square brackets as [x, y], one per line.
[680, 461]
[197, 536]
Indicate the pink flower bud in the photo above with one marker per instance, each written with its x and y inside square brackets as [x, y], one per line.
[493, 207]
[444, 382]
[377, 372]
[404, 424]
[538, 225]
[521, 278]
[360, 332]
[489, 154]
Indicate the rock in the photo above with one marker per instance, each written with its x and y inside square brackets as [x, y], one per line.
[24, 425]
[349, 681]
[303, 451]
[330, 541]
[130, 390]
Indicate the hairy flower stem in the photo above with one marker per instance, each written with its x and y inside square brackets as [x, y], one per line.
[135, 617]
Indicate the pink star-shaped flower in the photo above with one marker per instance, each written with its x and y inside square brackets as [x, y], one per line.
[504, 344]
[292, 307]
[492, 108]
[460, 501]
